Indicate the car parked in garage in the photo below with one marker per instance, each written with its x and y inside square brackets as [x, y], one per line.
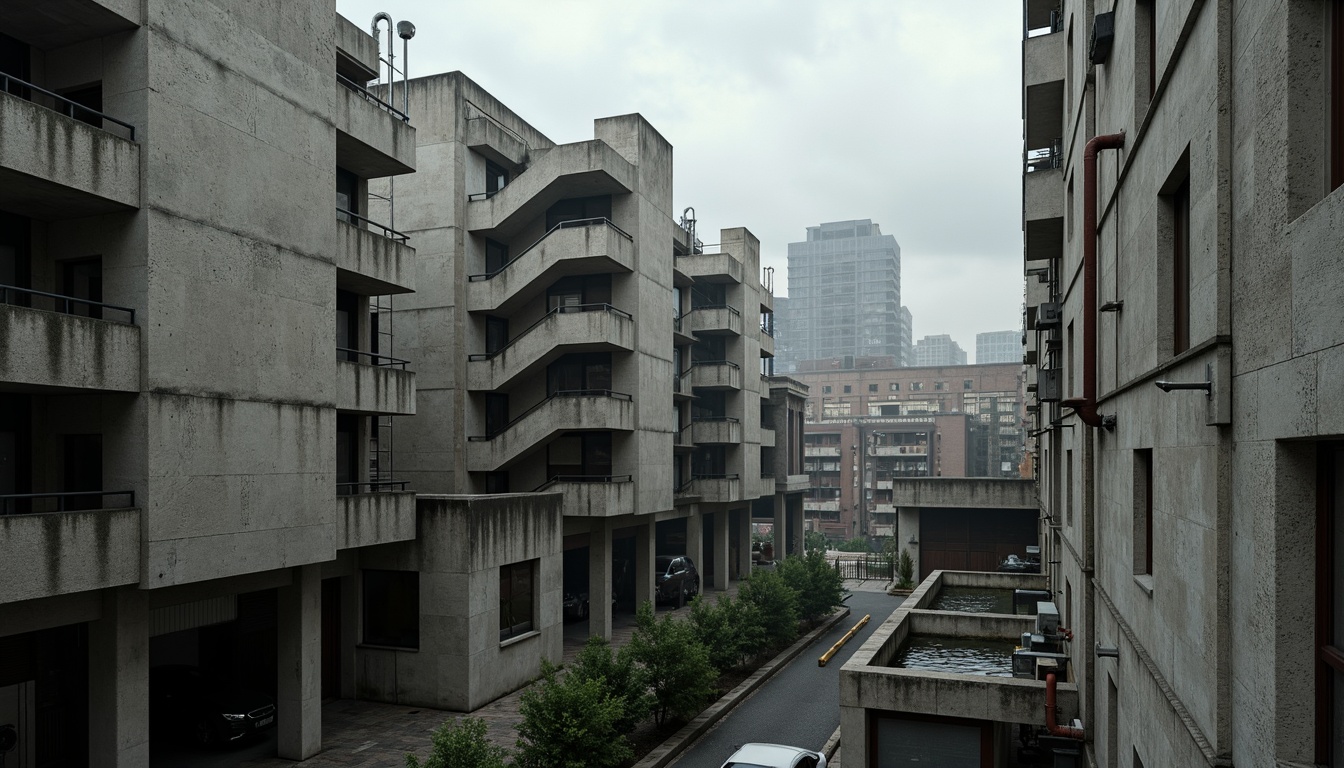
[187, 703]
[774, 756]
[677, 580]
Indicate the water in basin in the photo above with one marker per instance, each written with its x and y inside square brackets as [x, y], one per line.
[962, 655]
[979, 600]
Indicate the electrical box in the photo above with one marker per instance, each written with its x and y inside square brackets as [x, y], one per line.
[1048, 388]
[1048, 315]
[1047, 619]
[1103, 35]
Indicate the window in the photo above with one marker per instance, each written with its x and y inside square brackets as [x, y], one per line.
[347, 326]
[916, 386]
[516, 598]
[1336, 76]
[847, 389]
[1143, 511]
[1068, 358]
[1174, 241]
[90, 96]
[894, 386]
[392, 608]
[579, 456]
[83, 279]
[579, 372]
[826, 389]
[1068, 487]
[938, 385]
[574, 294]
[347, 453]
[496, 334]
[83, 469]
[579, 209]
[1330, 604]
[496, 256]
[872, 387]
[347, 195]
[496, 412]
[497, 482]
[496, 178]
[968, 384]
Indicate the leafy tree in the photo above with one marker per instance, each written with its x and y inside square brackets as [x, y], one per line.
[570, 722]
[906, 570]
[856, 544]
[776, 605]
[732, 631]
[679, 673]
[816, 583]
[621, 677]
[461, 744]
[815, 540]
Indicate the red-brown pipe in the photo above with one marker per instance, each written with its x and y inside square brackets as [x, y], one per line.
[1086, 406]
[1054, 728]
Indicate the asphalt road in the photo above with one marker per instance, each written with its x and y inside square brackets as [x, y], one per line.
[800, 705]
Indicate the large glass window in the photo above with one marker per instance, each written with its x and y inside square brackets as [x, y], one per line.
[589, 372]
[1330, 605]
[392, 608]
[496, 178]
[516, 598]
[578, 209]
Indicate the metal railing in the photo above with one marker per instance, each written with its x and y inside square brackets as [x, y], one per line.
[868, 567]
[378, 361]
[714, 476]
[7, 79]
[22, 503]
[555, 395]
[65, 303]
[715, 419]
[388, 232]
[731, 309]
[683, 436]
[1043, 158]
[372, 97]
[694, 363]
[377, 486]
[582, 479]
[684, 487]
[561, 225]
[565, 310]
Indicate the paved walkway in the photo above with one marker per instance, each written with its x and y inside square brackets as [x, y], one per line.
[365, 734]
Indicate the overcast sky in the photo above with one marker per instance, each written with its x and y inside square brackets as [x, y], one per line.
[783, 115]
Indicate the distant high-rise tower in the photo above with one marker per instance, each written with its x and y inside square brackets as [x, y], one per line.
[939, 350]
[998, 347]
[907, 357]
[844, 295]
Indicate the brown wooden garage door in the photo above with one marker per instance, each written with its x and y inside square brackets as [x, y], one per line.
[972, 539]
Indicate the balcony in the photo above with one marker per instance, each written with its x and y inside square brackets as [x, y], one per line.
[565, 411]
[587, 246]
[57, 23]
[884, 509]
[713, 267]
[716, 374]
[56, 167]
[821, 450]
[372, 262]
[491, 139]
[681, 334]
[792, 483]
[373, 384]
[594, 495]
[719, 320]
[54, 544]
[373, 138]
[898, 450]
[55, 350]
[767, 344]
[681, 439]
[716, 489]
[1043, 190]
[581, 169]
[820, 506]
[681, 387]
[721, 431]
[374, 513]
[1043, 60]
[582, 328]
[767, 437]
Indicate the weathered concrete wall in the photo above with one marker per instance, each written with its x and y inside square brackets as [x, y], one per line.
[368, 519]
[51, 349]
[371, 264]
[374, 389]
[62, 553]
[964, 493]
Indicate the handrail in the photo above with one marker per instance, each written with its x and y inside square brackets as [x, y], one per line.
[561, 225]
[572, 308]
[377, 359]
[388, 232]
[547, 399]
[5, 290]
[714, 362]
[729, 476]
[476, 196]
[377, 486]
[371, 96]
[583, 479]
[719, 419]
[684, 485]
[684, 430]
[728, 307]
[6, 500]
[6, 79]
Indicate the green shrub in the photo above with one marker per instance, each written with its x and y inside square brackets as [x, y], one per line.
[816, 583]
[906, 570]
[570, 722]
[775, 606]
[815, 540]
[676, 664]
[732, 631]
[621, 677]
[461, 744]
[856, 544]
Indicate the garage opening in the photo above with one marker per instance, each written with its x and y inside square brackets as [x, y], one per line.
[972, 539]
[44, 697]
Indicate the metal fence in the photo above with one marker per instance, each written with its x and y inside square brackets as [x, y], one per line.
[872, 567]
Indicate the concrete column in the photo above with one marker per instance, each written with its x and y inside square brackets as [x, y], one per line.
[907, 528]
[781, 543]
[695, 543]
[350, 614]
[119, 681]
[721, 549]
[644, 549]
[744, 542]
[599, 578]
[298, 695]
[795, 525]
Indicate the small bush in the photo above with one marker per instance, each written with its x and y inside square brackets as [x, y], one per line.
[677, 665]
[815, 540]
[461, 745]
[774, 605]
[570, 722]
[856, 544]
[620, 676]
[905, 570]
[732, 631]
[817, 584]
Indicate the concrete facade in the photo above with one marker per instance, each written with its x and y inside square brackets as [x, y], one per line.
[1186, 527]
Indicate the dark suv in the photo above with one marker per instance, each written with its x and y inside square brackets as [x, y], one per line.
[678, 580]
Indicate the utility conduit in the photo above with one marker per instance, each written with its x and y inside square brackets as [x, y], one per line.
[825, 657]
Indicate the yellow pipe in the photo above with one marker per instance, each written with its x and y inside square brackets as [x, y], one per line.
[825, 657]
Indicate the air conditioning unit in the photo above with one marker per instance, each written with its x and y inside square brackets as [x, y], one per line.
[1048, 315]
[1103, 35]
[1047, 618]
[1048, 385]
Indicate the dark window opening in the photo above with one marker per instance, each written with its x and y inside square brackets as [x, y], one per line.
[496, 412]
[496, 256]
[709, 404]
[83, 469]
[15, 59]
[83, 279]
[347, 326]
[15, 257]
[579, 209]
[497, 482]
[872, 387]
[90, 96]
[347, 453]
[590, 371]
[571, 294]
[16, 469]
[1330, 604]
[1180, 268]
[709, 461]
[968, 384]
[1143, 511]
[496, 334]
[496, 178]
[583, 454]
[516, 598]
[847, 389]
[708, 295]
[347, 195]
[392, 608]
[709, 349]
[1336, 76]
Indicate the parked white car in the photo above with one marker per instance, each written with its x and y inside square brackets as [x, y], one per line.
[774, 756]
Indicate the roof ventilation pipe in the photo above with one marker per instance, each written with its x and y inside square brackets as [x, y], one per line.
[1086, 406]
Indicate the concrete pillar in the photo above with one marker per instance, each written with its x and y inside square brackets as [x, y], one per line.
[695, 543]
[907, 528]
[645, 538]
[298, 694]
[781, 543]
[350, 616]
[721, 549]
[599, 578]
[795, 525]
[119, 681]
[744, 543]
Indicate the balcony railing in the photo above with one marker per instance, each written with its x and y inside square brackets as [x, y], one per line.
[729, 363]
[561, 225]
[544, 401]
[377, 486]
[715, 476]
[1043, 158]
[715, 419]
[63, 304]
[376, 360]
[371, 97]
[68, 108]
[388, 232]
[557, 311]
[731, 309]
[582, 479]
[69, 501]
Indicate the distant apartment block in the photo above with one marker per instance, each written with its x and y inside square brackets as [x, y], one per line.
[938, 350]
[998, 347]
[907, 356]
